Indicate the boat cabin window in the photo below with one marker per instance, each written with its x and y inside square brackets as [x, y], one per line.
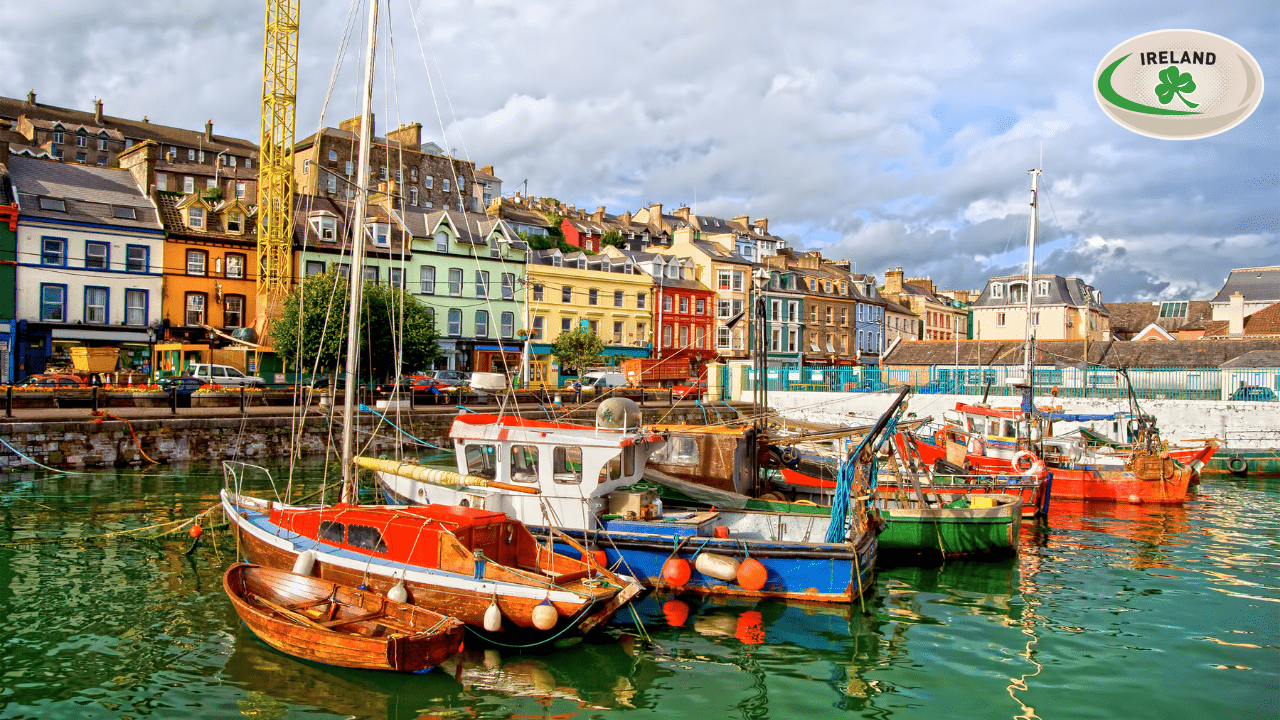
[679, 451]
[993, 427]
[629, 460]
[1009, 430]
[972, 427]
[566, 465]
[612, 470]
[524, 463]
[366, 538]
[332, 531]
[481, 461]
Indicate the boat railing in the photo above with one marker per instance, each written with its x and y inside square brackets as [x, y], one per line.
[234, 474]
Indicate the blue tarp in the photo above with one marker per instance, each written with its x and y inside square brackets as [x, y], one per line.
[1079, 418]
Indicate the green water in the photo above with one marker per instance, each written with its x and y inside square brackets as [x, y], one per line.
[1113, 611]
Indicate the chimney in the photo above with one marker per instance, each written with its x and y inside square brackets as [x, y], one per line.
[352, 125]
[487, 169]
[682, 213]
[97, 111]
[1235, 318]
[893, 281]
[407, 135]
[31, 97]
[625, 218]
[763, 224]
[140, 161]
[655, 213]
[684, 234]
[4, 161]
[598, 215]
[208, 130]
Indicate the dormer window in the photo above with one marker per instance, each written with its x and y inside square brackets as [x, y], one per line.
[123, 213]
[195, 218]
[1042, 288]
[235, 222]
[555, 261]
[381, 233]
[1017, 292]
[55, 204]
[82, 140]
[997, 290]
[442, 242]
[326, 226]
[57, 137]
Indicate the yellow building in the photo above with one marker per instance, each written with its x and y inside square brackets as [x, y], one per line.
[718, 266]
[1062, 308]
[610, 297]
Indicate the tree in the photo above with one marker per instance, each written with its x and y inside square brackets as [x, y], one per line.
[323, 340]
[614, 238]
[578, 349]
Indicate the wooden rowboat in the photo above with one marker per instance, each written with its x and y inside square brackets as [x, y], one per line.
[319, 620]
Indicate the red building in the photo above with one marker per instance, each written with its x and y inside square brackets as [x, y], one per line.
[585, 232]
[684, 318]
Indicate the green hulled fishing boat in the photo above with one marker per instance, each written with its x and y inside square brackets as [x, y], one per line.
[949, 525]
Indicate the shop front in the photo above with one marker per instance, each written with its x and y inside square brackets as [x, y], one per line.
[499, 358]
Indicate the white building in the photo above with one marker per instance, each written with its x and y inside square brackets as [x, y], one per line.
[90, 254]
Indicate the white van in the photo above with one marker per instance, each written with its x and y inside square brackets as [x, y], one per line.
[224, 375]
[603, 380]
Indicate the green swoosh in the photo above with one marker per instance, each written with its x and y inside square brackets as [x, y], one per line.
[1113, 97]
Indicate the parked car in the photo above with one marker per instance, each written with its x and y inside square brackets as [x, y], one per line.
[600, 380]
[684, 392]
[449, 377]
[54, 380]
[185, 384]
[937, 387]
[1254, 392]
[868, 385]
[224, 375]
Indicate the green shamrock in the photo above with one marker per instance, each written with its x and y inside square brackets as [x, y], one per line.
[1173, 83]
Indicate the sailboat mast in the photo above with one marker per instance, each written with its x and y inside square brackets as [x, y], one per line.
[355, 278]
[1031, 269]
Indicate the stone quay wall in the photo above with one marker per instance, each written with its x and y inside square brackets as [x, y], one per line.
[89, 444]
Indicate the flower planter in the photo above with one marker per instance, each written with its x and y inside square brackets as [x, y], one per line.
[32, 400]
[216, 399]
[149, 399]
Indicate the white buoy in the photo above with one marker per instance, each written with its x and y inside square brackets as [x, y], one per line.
[719, 567]
[398, 593]
[493, 618]
[545, 615]
[305, 562]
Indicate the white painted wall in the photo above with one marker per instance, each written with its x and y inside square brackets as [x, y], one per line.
[1241, 424]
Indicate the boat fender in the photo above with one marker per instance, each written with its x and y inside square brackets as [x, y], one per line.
[305, 562]
[1034, 465]
[398, 593]
[752, 574]
[720, 567]
[675, 571]
[545, 615]
[493, 618]
[1034, 434]
[1237, 465]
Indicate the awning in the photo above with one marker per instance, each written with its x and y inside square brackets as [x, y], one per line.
[624, 351]
[500, 348]
[109, 335]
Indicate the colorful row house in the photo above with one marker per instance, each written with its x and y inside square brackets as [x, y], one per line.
[683, 310]
[609, 297]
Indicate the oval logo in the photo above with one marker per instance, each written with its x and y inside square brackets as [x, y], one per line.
[1178, 84]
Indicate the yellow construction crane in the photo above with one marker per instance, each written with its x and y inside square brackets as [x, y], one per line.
[276, 185]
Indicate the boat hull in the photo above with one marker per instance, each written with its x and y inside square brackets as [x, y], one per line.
[455, 595]
[1086, 483]
[1033, 491]
[405, 638]
[951, 532]
[1243, 463]
[821, 572]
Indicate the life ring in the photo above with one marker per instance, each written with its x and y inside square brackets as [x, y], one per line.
[1237, 465]
[1033, 468]
[976, 446]
[790, 456]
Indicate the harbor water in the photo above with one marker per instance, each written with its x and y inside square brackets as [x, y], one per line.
[1109, 611]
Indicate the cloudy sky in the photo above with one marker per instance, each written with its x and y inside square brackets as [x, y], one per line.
[888, 133]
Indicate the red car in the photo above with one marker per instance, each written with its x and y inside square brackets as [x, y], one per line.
[685, 392]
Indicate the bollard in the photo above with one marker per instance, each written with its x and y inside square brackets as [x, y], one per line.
[173, 399]
[95, 398]
[241, 399]
[8, 401]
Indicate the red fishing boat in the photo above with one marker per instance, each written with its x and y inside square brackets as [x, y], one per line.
[478, 566]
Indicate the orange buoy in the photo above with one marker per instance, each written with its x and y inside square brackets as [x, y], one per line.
[676, 572]
[196, 531]
[599, 556]
[720, 531]
[676, 612]
[750, 627]
[1135, 499]
[752, 574]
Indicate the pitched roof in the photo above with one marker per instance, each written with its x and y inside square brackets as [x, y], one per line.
[169, 204]
[1265, 322]
[1255, 359]
[89, 193]
[1114, 353]
[1256, 284]
[14, 108]
[1062, 291]
[1129, 319]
